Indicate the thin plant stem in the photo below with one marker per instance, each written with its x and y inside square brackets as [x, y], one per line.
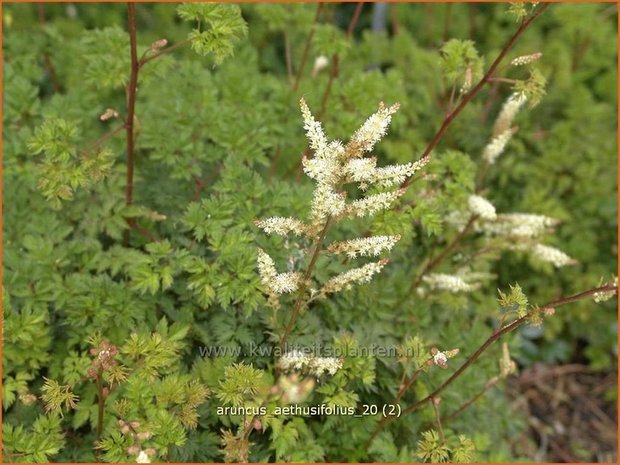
[354, 19]
[100, 403]
[405, 386]
[434, 402]
[434, 262]
[145, 59]
[485, 345]
[304, 284]
[335, 68]
[474, 91]
[304, 55]
[501, 79]
[103, 138]
[492, 382]
[287, 57]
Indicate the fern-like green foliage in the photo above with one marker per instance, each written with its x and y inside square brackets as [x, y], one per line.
[220, 27]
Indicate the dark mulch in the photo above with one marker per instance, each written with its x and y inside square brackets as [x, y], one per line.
[571, 411]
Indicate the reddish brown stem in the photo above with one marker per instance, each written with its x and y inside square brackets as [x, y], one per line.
[354, 19]
[199, 186]
[485, 345]
[474, 91]
[304, 55]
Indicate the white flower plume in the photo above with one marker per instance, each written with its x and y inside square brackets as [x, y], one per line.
[314, 130]
[521, 225]
[372, 204]
[281, 226]
[279, 283]
[552, 255]
[373, 130]
[482, 207]
[364, 247]
[357, 275]
[298, 361]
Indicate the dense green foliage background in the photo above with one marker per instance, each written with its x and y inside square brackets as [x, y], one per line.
[219, 144]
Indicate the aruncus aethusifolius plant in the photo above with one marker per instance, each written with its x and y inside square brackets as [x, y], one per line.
[333, 166]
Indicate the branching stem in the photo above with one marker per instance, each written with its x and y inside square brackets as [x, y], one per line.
[497, 334]
[304, 284]
[304, 55]
[474, 91]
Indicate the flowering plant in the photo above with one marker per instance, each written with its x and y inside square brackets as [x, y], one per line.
[195, 272]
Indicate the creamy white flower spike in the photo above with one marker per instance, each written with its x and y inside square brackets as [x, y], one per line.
[373, 203]
[316, 366]
[357, 275]
[365, 246]
[326, 202]
[552, 255]
[522, 225]
[314, 130]
[365, 171]
[526, 59]
[281, 226]
[279, 283]
[332, 166]
[496, 147]
[448, 283]
[373, 130]
[482, 207]
[508, 113]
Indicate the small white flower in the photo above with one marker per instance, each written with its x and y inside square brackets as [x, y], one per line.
[320, 63]
[143, 457]
[440, 359]
[482, 207]
[552, 255]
